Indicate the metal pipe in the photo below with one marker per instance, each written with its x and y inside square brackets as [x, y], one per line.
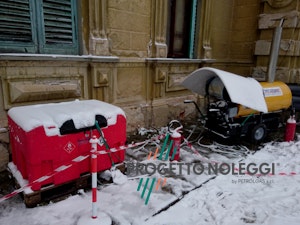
[274, 52]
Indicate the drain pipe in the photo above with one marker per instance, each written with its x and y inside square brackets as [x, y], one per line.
[274, 52]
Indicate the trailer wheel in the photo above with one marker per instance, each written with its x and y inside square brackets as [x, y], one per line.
[258, 133]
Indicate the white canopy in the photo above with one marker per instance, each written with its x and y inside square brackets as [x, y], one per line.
[245, 91]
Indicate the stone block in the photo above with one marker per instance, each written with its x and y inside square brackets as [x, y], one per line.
[259, 73]
[127, 21]
[267, 21]
[4, 137]
[294, 76]
[174, 81]
[160, 117]
[4, 157]
[139, 41]
[287, 47]
[35, 91]
[130, 85]
[137, 115]
[120, 40]
[262, 47]
[243, 11]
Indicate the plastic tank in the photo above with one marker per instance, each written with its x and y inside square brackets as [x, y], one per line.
[277, 94]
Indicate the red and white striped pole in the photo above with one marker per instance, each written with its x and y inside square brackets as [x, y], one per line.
[94, 142]
[103, 219]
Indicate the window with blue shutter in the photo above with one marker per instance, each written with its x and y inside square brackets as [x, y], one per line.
[38, 26]
[182, 24]
[16, 27]
[57, 26]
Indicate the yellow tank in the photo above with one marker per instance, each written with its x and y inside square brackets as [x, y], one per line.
[277, 94]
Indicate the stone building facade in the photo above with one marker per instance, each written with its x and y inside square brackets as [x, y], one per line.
[120, 53]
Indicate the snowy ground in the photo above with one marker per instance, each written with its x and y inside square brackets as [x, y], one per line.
[191, 199]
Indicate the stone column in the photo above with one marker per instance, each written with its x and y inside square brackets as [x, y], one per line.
[206, 30]
[159, 26]
[101, 79]
[98, 42]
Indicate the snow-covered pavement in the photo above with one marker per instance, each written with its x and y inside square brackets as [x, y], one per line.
[189, 199]
[270, 200]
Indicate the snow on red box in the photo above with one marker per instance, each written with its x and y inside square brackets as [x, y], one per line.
[45, 137]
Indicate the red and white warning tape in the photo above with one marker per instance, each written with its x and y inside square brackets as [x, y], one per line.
[200, 157]
[206, 160]
[74, 161]
[81, 158]
[45, 177]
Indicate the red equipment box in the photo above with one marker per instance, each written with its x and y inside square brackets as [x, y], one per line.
[46, 137]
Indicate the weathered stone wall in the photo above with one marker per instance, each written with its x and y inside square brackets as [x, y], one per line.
[221, 30]
[4, 149]
[147, 90]
[244, 30]
[4, 139]
[41, 80]
[3, 120]
[148, 97]
[234, 32]
[288, 64]
[128, 25]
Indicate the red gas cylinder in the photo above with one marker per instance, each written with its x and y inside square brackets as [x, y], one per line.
[176, 138]
[290, 129]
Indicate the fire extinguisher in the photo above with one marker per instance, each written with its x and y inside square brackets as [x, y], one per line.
[176, 140]
[290, 127]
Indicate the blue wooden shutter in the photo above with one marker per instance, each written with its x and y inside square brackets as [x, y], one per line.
[16, 27]
[193, 29]
[58, 27]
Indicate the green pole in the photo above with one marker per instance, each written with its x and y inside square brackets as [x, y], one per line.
[169, 149]
[163, 147]
[150, 191]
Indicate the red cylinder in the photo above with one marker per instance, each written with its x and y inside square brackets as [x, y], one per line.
[290, 129]
[175, 151]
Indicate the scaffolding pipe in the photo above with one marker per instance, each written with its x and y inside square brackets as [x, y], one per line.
[274, 52]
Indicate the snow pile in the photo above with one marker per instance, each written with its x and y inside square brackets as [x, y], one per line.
[52, 115]
[193, 199]
[118, 177]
